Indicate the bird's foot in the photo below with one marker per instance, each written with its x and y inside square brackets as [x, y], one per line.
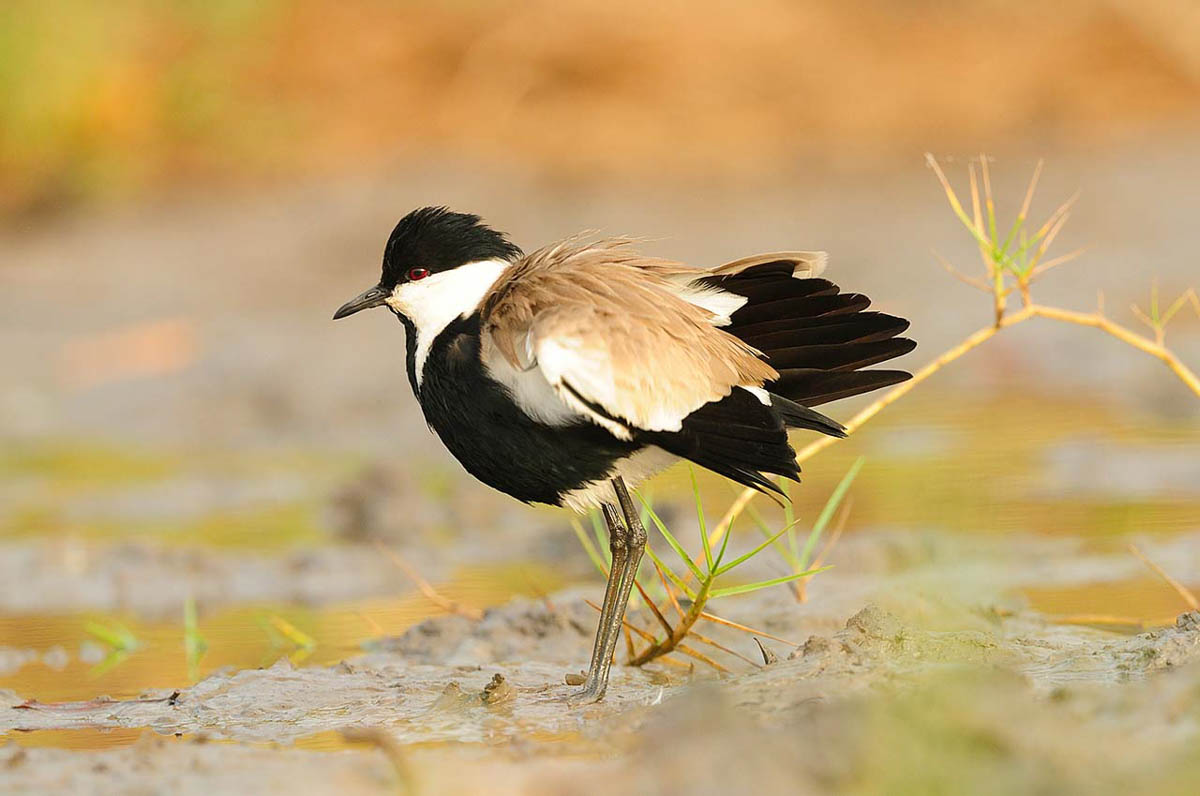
[588, 695]
[592, 691]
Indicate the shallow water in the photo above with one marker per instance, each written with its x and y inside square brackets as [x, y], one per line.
[75, 664]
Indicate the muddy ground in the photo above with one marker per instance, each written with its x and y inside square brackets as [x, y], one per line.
[912, 664]
[182, 425]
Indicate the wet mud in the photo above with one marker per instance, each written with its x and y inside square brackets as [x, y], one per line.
[454, 702]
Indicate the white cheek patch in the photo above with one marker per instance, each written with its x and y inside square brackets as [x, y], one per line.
[433, 302]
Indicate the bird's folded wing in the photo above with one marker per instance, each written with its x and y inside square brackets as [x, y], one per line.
[804, 265]
[610, 335]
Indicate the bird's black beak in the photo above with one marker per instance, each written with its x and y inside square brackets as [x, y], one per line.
[373, 297]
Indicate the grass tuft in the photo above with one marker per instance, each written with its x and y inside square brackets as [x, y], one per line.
[697, 581]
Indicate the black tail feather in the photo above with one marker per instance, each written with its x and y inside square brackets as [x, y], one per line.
[813, 387]
[803, 307]
[817, 339]
[864, 327]
[738, 437]
[798, 416]
[839, 356]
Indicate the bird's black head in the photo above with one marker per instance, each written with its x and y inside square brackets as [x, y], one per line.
[429, 241]
[435, 239]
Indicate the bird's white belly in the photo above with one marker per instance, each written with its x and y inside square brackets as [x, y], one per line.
[634, 470]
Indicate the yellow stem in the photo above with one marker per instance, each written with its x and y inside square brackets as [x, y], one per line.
[981, 336]
[1145, 344]
[891, 396]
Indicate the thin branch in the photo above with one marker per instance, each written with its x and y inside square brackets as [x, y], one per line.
[700, 656]
[716, 645]
[1054, 263]
[974, 282]
[1154, 349]
[744, 628]
[670, 591]
[972, 342]
[662, 620]
[1188, 296]
[1180, 589]
[1029, 192]
[1141, 316]
[1049, 239]
[427, 589]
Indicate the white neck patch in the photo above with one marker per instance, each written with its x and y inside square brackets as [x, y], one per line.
[433, 302]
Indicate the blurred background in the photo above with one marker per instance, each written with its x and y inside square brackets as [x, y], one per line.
[189, 188]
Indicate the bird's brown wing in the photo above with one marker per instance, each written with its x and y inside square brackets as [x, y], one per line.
[610, 334]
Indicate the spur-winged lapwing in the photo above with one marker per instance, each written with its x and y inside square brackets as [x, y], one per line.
[566, 375]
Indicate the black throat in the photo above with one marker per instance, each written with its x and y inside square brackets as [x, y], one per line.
[478, 420]
[410, 351]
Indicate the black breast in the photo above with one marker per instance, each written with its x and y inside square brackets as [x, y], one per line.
[494, 440]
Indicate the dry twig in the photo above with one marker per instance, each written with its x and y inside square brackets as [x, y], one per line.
[426, 588]
[1180, 589]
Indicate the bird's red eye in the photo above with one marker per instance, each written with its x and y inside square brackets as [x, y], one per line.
[417, 273]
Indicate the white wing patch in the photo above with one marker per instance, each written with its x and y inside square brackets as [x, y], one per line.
[533, 392]
[762, 395]
[590, 372]
[721, 303]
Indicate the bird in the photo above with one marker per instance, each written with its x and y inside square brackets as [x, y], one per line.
[569, 375]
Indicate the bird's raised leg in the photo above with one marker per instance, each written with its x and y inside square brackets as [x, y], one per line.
[608, 629]
[632, 536]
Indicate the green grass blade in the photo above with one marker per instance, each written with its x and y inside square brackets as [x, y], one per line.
[110, 662]
[115, 635]
[600, 531]
[831, 506]
[991, 214]
[708, 556]
[724, 545]
[746, 557]
[767, 533]
[763, 584]
[670, 573]
[1012, 235]
[644, 515]
[588, 547]
[671, 540]
[194, 645]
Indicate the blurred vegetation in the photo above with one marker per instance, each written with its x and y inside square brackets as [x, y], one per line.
[104, 100]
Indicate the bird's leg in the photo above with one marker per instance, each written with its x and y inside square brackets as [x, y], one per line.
[606, 631]
[632, 535]
[636, 540]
